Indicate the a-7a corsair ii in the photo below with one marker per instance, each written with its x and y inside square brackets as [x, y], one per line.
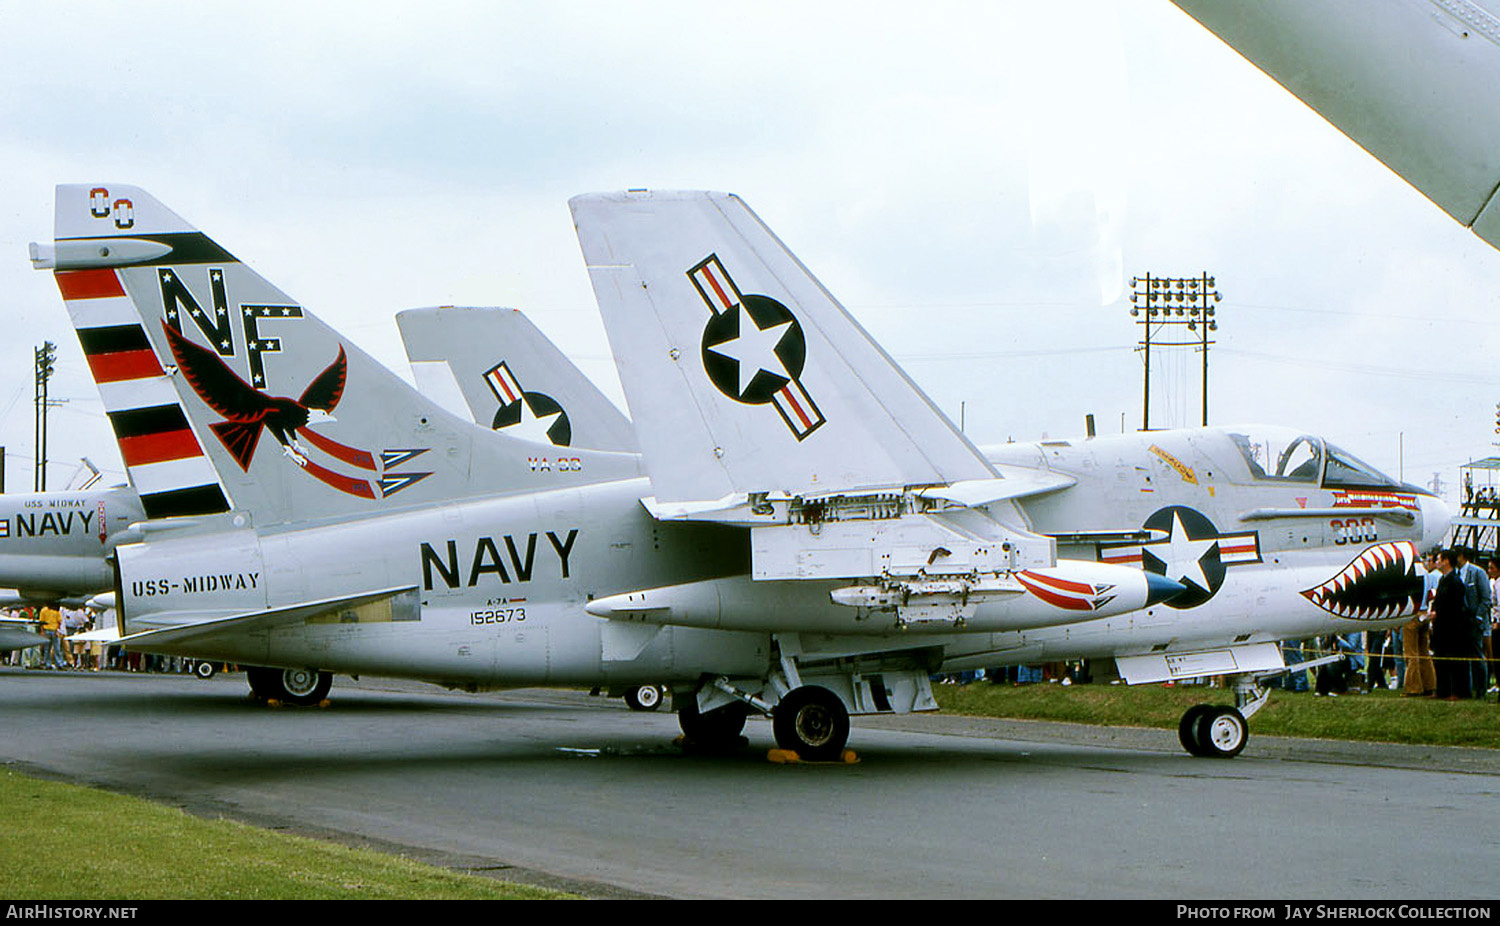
[57, 545]
[53, 544]
[816, 539]
[1215, 509]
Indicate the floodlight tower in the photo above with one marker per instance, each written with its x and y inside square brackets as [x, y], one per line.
[1157, 302]
[46, 360]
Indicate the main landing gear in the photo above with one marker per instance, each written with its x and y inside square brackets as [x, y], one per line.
[809, 707]
[810, 721]
[304, 687]
[716, 730]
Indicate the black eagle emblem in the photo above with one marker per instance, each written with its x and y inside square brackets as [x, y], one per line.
[246, 409]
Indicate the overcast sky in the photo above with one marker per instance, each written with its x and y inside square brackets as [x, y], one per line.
[976, 182]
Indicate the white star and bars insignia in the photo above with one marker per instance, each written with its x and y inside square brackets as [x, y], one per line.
[792, 401]
[502, 383]
[1234, 550]
[535, 414]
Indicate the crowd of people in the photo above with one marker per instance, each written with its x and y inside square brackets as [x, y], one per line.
[56, 624]
[64, 649]
[1448, 648]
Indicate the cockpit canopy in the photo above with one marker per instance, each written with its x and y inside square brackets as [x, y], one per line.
[1283, 455]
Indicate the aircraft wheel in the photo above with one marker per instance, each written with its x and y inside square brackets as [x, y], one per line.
[263, 683]
[718, 730]
[290, 686]
[1222, 733]
[812, 722]
[1187, 728]
[645, 697]
[204, 669]
[305, 686]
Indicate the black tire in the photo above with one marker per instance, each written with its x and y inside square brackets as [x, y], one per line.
[303, 687]
[716, 731]
[263, 683]
[1222, 733]
[812, 722]
[1187, 729]
[204, 669]
[646, 697]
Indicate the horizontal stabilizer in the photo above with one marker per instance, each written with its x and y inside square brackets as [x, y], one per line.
[392, 604]
[109, 634]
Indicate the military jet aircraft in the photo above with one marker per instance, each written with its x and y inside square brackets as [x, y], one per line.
[1190, 504]
[53, 544]
[56, 545]
[814, 538]
[758, 401]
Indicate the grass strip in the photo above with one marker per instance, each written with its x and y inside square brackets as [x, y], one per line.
[1380, 716]
[74, 843]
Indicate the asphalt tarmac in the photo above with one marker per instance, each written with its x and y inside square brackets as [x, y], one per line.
[566, 790]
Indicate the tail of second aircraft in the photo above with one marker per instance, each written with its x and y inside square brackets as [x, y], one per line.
[225, 393]
[742, 372]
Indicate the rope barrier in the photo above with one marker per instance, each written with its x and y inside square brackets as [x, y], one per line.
[1317, 653]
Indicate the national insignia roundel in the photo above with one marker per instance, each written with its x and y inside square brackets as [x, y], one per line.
[1190, 554]
[541, 407]
[731, 361]
[753, 349]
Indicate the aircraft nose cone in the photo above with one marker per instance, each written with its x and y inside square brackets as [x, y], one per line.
[1436, 519]
[1161, 588]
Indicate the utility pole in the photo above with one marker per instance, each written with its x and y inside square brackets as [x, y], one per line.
[46, 359]
[1186, 301]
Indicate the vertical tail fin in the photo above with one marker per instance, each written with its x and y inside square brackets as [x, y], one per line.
[742, 372]
[510, 376]
[224, 392]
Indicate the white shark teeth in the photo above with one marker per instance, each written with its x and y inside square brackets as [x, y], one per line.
[1332, 595]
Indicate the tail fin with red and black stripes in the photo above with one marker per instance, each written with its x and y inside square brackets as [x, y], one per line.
[227, 394]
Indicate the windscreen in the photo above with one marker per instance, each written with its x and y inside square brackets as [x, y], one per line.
[1280, 454]
[1283, 455]
[1345, 469]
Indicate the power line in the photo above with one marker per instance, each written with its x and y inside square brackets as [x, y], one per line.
[1370, 369]
[991, 355]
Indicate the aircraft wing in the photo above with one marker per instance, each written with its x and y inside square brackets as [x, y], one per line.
[510, 376]
[1415, 82]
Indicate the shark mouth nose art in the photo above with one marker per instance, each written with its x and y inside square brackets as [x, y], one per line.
[1382, 582]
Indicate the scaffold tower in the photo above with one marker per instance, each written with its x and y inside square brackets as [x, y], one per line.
[1478, 522]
